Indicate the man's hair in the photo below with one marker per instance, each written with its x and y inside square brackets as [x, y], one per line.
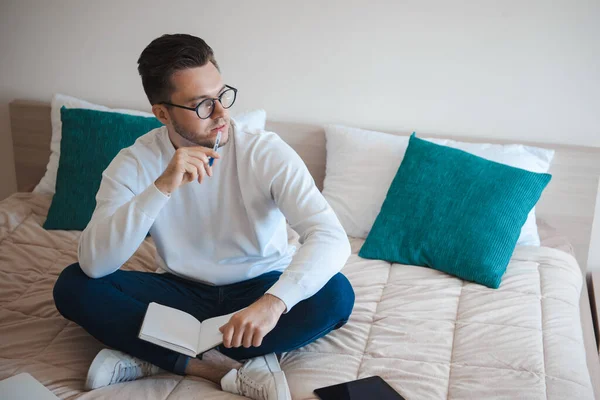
[166, 55]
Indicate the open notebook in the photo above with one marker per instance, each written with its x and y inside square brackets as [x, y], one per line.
[179, 331]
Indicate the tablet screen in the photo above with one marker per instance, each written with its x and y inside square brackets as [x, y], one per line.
[367, 388]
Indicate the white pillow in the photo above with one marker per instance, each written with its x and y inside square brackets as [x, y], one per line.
[251, 120]
[361, 165]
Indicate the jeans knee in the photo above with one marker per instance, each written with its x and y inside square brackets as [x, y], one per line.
[342, 295]
[65, 288]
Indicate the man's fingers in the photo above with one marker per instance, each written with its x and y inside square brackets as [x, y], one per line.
[248, 335]
[227, 330]
[202, 173]
[257, 339]
[199, 151]
[201, 157]
[191, 172]
[204, 157]
[237, 337]
[202, 163]
[200, 167]
[208, 169]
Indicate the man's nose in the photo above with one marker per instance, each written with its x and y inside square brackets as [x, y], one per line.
[219, 111]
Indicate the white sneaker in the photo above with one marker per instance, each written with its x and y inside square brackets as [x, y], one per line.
[260, 378]
[112, 366]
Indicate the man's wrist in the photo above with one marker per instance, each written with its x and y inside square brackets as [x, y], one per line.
[160, 187]
[274, 303]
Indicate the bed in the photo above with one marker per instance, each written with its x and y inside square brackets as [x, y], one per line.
[428, 334]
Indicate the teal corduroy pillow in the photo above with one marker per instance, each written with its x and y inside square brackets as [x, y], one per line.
[90, 140]
[455, 212]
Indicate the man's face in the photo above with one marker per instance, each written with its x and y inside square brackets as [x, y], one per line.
[192, 86]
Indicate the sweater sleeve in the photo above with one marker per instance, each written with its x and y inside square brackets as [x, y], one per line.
[121, 219]
[324, 246]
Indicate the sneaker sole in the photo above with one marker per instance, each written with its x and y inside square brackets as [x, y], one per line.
[272, 362]
[281, 385]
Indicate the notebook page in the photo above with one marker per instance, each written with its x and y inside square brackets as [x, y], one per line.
[210, 336]
[171, 325]
[167, 345]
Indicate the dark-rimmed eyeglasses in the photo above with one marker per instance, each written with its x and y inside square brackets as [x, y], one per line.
[206, 107]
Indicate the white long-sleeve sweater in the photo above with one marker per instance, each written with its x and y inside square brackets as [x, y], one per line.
[228, 229]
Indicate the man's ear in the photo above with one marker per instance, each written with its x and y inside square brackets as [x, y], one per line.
[160, 112]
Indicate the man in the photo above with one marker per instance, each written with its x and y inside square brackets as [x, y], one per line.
[220, 235]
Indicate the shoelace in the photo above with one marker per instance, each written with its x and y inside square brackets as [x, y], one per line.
[131, 372]
[249, 388]
[124, 373]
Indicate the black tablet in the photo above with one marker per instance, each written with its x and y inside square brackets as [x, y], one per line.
[367, 388]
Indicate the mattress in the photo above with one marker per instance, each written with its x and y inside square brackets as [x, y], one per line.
[429, 335]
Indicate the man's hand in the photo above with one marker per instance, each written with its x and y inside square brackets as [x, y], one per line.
[187, 165]
[249, 326]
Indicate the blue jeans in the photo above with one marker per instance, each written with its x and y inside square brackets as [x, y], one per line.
[112, 309]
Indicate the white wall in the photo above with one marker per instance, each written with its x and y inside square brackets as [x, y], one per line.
[593, 263]
[516, 69]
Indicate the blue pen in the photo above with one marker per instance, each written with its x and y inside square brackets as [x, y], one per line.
[215, 148]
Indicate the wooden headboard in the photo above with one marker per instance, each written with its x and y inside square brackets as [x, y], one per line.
[31, 133]
[568, 203]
